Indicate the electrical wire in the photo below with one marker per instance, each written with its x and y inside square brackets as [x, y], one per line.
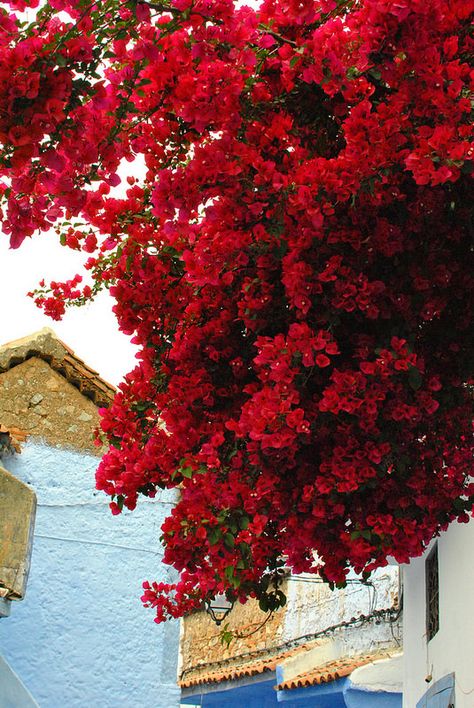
[377, 615]
[86, 541]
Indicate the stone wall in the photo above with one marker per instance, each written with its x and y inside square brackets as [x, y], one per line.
[311, 607]
[43, 403]
[201, 637]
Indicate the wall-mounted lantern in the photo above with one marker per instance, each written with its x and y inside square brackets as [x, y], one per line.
[218, 608]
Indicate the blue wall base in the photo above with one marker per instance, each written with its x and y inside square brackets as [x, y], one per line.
[262, 694]
[259, 694]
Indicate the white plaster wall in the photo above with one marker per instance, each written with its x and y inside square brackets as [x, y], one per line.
[383, 675]
[12, 692]
[313, 607]
[81, 638]
[452, 648]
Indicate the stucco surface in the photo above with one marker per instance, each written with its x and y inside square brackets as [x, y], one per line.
[81, 636]
[311, 607]
[452, 648]
[12, 692]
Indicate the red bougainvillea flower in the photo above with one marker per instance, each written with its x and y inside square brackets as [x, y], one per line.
[290, 249]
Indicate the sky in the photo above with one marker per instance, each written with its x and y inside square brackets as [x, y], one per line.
[91, 331]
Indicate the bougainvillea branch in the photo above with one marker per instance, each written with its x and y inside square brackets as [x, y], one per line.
[290, 248]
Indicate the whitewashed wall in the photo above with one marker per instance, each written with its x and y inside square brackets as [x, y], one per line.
[452, 648]
[312, 607]
[81, 638]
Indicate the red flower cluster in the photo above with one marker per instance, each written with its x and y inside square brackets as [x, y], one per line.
[292, 254]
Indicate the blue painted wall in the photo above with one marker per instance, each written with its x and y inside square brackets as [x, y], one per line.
[262, 694]
[337, 694]
[81, 638]
[325, 695]
[258, 694]
[356, 698]
[13, 693]
[254, 694]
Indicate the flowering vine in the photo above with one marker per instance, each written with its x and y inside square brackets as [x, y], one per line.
[291, 251]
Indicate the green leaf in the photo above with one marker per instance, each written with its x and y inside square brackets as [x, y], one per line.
[244, 549]
[229, 541]
[226, 635]
[229, 572]
[244, 522]
[461, 504]
[214, 536]
[375, 73]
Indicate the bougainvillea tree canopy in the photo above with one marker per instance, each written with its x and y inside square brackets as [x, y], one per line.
[278, 200]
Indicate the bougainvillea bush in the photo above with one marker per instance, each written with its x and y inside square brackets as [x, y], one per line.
[278, 199]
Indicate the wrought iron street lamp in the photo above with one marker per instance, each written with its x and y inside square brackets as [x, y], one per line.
[218, 608]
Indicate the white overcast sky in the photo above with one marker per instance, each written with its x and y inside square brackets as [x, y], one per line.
[91, 331]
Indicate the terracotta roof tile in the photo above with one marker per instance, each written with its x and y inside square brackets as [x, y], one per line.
[331, 671]
[251, 666]
[46, 345]
[10, 439]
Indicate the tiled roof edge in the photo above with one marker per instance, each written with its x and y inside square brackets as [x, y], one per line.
[304, 641]
[251, 667]
[47, 346]
[333, 670]
[10, 439]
